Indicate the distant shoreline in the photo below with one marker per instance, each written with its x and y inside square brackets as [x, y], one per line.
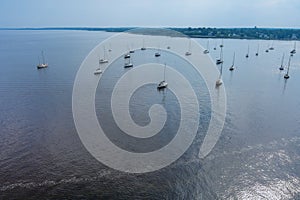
[230, 33]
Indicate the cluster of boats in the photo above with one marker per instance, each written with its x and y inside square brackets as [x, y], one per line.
[163, 84]
[128, 64]
[220, 61]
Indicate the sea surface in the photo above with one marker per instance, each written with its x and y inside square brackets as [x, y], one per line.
[42, 157]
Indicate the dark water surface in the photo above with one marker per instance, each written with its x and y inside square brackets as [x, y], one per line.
[41, 155]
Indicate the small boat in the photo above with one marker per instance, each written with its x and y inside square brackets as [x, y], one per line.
[127, 55]
[206, 51]
[220, 60]
[222, 45]
[219, 81]
[163, 84]
[294, 50]
[128, 64]
[157, 54]
[143, 47]
[271, 47]
[286, 76]
[247, 55]
[232, 66]
[131, 51]
[43, 64]
[257, 50]
[98, 71]
[168, 47]
[188, 53]
[267, 50]
[281, 66]
[103, 60]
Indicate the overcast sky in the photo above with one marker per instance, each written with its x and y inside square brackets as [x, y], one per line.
[150, 13]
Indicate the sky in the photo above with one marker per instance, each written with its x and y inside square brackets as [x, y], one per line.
[150, 13]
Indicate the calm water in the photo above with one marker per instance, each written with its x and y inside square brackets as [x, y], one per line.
[257, 157]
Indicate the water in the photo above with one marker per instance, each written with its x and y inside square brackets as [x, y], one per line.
[41, 156]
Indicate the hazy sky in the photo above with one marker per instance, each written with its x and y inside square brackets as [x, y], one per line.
[145, 13]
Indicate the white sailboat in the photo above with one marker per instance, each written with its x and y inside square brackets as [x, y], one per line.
[286, 76]
[98, 71]
[128, 63]
[43, 64]
[232, 66]
[206, 51]
[281, 66]
[163, 84]
[188, 53]
[103, 60]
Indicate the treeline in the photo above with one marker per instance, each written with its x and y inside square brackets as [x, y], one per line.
[238, 33]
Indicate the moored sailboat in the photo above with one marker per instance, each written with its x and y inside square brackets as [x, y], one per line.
[232, 66]
[281, 66]
[286, 76]
[163, 84]
[43, 64]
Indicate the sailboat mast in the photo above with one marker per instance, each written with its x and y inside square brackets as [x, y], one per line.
[165, 72]
[221, 56]
[43, 57]
[233, 59]
[288, 69]
[282, 59]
